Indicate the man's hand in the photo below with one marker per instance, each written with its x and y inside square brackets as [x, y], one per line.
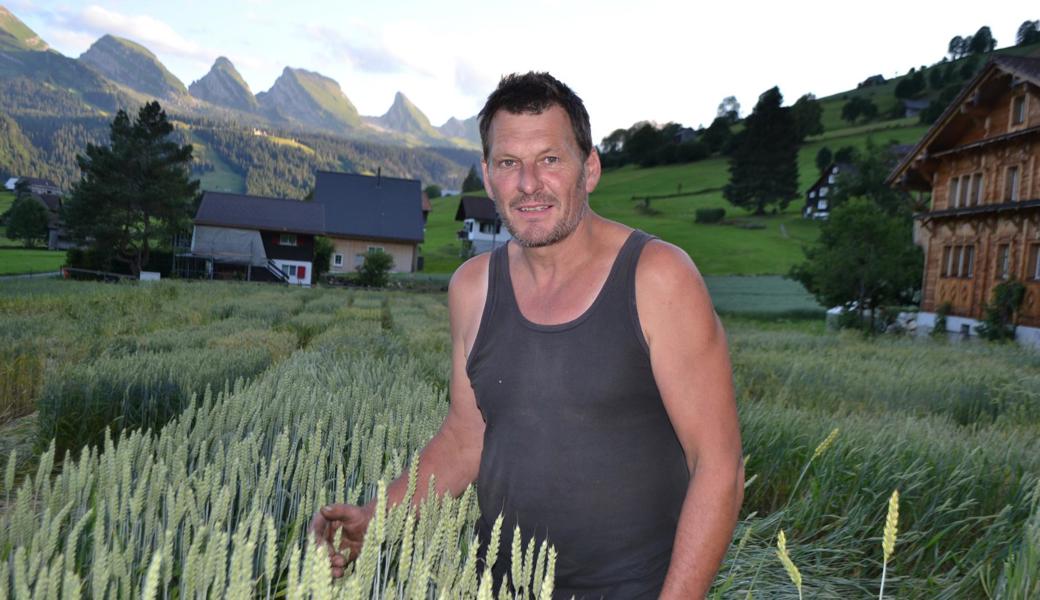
[352, 521]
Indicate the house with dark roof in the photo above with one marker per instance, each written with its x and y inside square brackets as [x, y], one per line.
[257, 238]
[980, 162]
[272, 239]
[365, 213]
[482, 228]
[817, 203]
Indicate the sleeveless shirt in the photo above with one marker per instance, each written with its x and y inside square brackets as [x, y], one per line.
[578, 447]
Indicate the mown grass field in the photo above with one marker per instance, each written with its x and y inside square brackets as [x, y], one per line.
[306, 396]
[18, 260]
[748, 245]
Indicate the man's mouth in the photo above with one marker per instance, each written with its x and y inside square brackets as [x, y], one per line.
[534, 208]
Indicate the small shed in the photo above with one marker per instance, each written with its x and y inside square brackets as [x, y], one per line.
[482, 228]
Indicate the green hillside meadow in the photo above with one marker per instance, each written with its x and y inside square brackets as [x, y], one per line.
[236, 410]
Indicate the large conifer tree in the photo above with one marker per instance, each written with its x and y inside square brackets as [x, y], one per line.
[764, 164]
[135, 193]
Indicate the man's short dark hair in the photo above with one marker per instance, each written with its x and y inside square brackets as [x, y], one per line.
[532, 93]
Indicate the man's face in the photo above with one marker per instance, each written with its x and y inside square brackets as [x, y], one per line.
[536, 175]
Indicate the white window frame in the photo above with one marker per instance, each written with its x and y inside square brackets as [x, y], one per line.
[955, 192]
[1018, 117]
[288, 239]
[1003, 261]
[1013, 183]
[376, 248]
[337, 260]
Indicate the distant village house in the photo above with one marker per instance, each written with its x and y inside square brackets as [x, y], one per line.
[482, 228]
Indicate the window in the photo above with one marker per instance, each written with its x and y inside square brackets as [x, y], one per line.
[1018, 110]
[958, 261]
[359, 260]
[964, 186]
[976, 189]
[287, 239]
[833, 178]
[1003, 261]
[823, 192]
[1034, 262]
[376, 249]
[812, 194]
[1011, 188]
[337, 260]
[821, 205]
[954, 191]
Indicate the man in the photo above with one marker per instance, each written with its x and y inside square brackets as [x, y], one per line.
[591, 389]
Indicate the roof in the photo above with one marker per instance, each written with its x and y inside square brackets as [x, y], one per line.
[842, 168]
[476, 207]
[51, 201]
[370, 207]
[1020, 67]
[37, 181]
[256, 212]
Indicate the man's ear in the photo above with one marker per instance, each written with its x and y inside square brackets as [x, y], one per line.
[593, 170]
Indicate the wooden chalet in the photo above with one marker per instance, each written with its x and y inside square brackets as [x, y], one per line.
[981, 163]
[817, 203]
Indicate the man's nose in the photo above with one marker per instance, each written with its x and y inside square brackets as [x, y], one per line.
[529, 182]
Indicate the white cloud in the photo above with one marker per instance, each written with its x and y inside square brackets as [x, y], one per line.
[151, 32]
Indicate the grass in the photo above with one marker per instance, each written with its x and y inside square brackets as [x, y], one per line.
[16, 261]
[953, 427]
[223, 177]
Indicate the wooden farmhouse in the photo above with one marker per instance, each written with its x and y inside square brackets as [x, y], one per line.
[981, 163]
[272, 239]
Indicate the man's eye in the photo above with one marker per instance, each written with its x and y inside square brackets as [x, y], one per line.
[552, 160]
[506, 163]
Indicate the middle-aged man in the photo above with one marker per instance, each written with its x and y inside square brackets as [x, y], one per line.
[591, 389]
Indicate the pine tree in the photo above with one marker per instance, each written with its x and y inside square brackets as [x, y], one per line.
[472, 183]
[134, 193]
[764, 164]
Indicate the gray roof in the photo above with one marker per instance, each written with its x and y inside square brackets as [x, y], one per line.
[476, 207]
[370, 207]
[255, 212]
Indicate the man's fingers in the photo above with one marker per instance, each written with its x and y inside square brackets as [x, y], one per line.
[339, 512]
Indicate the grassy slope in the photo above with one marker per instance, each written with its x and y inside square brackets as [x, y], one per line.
[223, 177]
[717, 249]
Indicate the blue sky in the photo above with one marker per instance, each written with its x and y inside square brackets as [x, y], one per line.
[648, 59]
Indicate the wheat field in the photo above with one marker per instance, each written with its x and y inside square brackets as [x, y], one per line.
[184, 433]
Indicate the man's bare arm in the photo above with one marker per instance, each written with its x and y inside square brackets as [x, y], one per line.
[691, 365]
[452, 456]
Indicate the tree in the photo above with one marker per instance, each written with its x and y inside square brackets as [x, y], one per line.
[643, 144]
[957, 47]
[857, 107]
[867, 180]
[729, 109]
[764, 165]
[135, 192]
[982, 42]
[911, 85]
[824, 158]
[27, 218]
[1028, 33]
[472, 182]
[864, 258]
[717, 136]
[433, 191]
[807, 115]
[323, 249]
[846, 154]
[375, 270]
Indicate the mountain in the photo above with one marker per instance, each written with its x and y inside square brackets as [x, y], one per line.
[310, 99]
[224, 86]
[133, 66]
[15, 35]
[468, 130]
[406, 118]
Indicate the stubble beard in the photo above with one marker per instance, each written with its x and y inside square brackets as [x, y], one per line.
[563, 228]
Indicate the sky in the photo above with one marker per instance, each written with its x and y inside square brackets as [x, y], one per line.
[629, 61]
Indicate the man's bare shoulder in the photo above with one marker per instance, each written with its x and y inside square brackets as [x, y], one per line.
[666, 268]
[467, 292]
[670, 292]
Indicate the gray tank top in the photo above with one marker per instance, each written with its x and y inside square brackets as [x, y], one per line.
[578, 447]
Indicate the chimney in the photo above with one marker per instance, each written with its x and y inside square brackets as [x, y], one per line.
[379, 176]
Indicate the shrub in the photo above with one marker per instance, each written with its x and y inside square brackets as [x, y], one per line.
[998, 324]
[375, 270]
[709, 215]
